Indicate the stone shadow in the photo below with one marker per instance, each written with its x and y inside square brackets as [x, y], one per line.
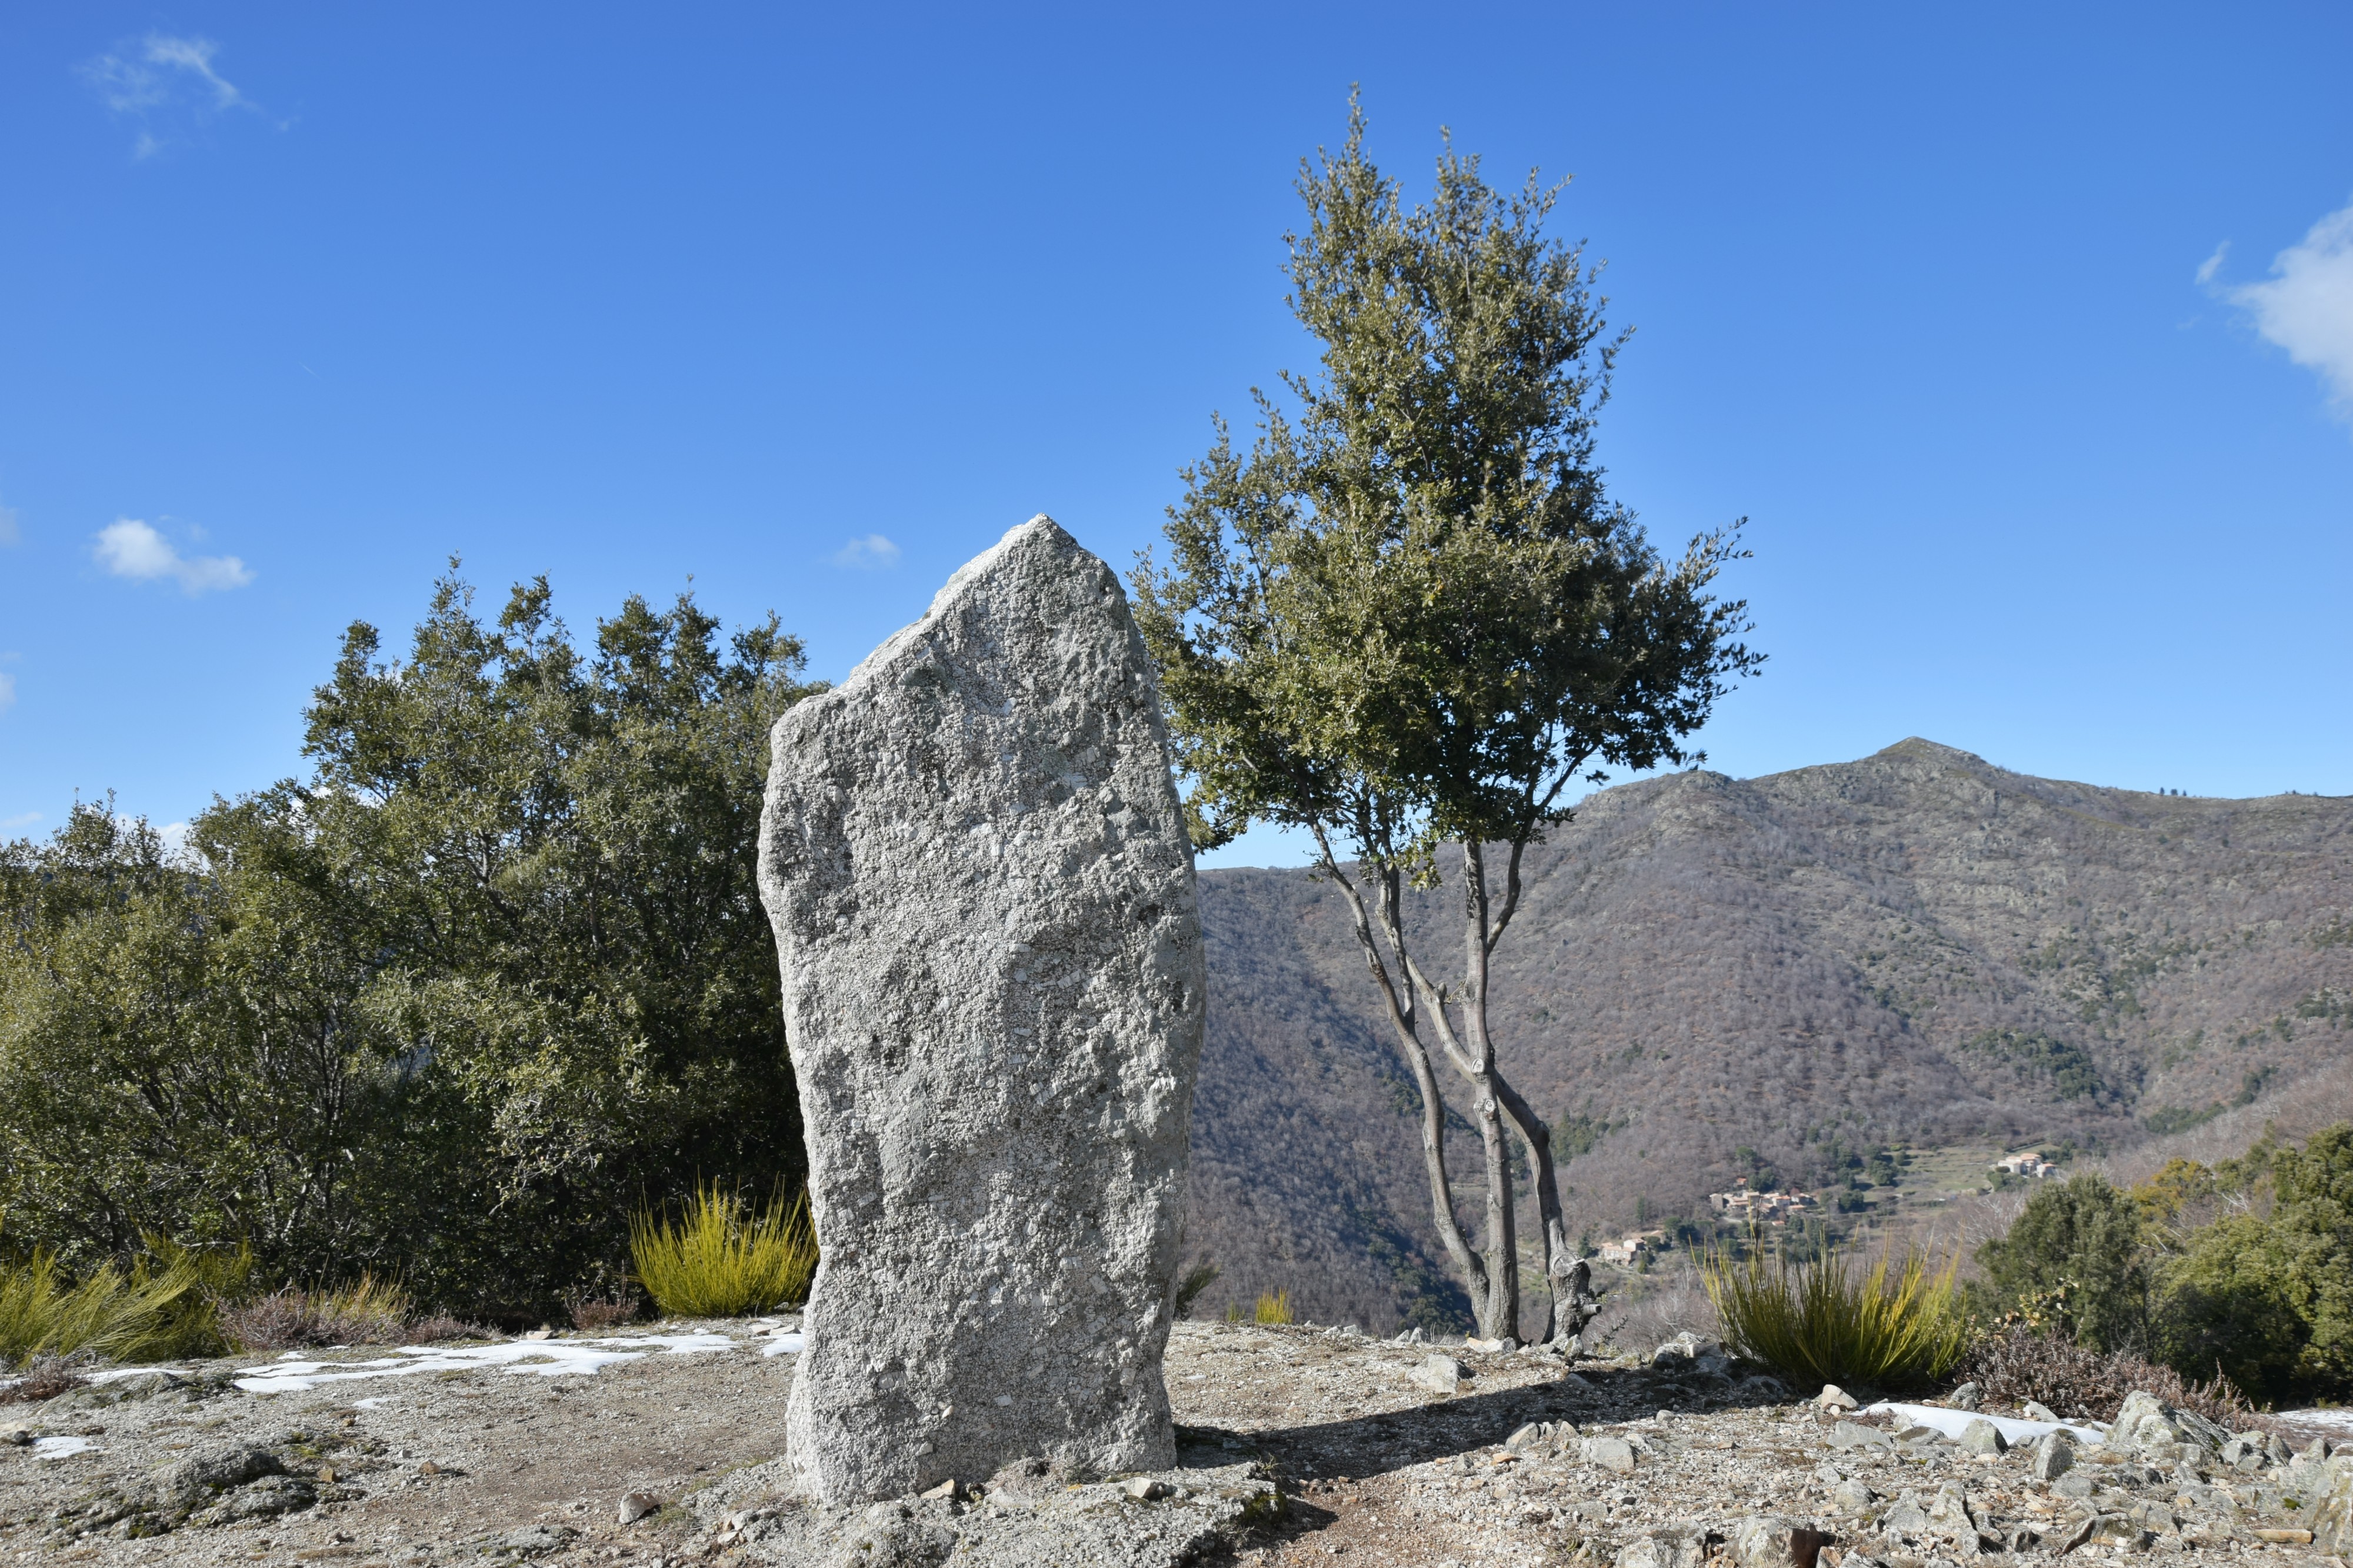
[1362, 1446]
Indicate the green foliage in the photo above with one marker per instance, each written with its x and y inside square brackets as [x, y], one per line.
[1409, 617]
[1579, 1134]
[1897, 1324]
[1189, 1286]
[2267, 1299]
[440, 1010]
[2067, 1068]
[2083, 1235]
[721, 1260]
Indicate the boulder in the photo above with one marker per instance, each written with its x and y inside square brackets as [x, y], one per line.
[1853, 1495]
[1439, 1373]
[1849, 1435]
[2054, 1454]
[1833, 1397]
[1670, 1548]
[1982, 1436]
[2332, 1519]
[1613, 1454]
[194, 1480]
[976, 867]
[1769, 1543]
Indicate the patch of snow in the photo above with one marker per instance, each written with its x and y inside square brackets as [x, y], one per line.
[378, 1403]
[62, 1447]
[111, 1374]
[549, 1358]
[785, 1344]
[1950, 1422]
[2341, 1419]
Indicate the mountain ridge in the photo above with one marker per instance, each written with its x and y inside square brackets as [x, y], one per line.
[1714, 977]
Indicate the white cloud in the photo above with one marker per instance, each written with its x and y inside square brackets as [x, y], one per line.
[128, 548]
[7, 691]
[2213, 263]
[22, 819]
[163, 78]
[870, 552]
[2306, 305]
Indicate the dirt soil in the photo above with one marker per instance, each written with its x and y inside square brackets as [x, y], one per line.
[1613, 1462]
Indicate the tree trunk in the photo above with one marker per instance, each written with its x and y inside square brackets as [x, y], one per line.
[1501, 1318]
[1563, 1316]
[1404, 1024]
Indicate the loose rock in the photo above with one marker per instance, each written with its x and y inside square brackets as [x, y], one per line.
[1982, 1436]
[1440, 1373]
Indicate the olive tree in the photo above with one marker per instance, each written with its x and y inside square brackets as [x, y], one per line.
[1410, 619]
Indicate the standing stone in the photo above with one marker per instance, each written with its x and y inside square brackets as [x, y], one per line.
[976, 867]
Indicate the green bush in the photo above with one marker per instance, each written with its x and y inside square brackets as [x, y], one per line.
[2266, 1300]
[1897, 1324]
[722, 1261]
[2079, 1242]
[440, 1010]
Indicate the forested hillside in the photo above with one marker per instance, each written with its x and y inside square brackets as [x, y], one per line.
[1715, 976]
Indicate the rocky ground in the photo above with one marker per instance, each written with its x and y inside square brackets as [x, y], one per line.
[1298, 1445]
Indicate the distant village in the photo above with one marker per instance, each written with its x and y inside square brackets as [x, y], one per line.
[1746, 1205]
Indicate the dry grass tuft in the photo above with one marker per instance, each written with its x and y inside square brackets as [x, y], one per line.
[721, 1260]
[45, 1377]
[1821, 1323]
[372, 1312]
[1273, 1306]
[595, 1314]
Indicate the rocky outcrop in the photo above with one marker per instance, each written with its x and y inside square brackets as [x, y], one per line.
[977, 870]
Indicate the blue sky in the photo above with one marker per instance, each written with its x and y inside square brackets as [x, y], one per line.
[2022, 335]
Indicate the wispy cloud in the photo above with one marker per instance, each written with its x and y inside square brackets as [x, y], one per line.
[22, 819]
[2306, 305]
[164, 83]
[128, 548]
[7, 691]
[873, 550]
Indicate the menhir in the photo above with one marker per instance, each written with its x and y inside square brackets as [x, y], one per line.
[975, 863]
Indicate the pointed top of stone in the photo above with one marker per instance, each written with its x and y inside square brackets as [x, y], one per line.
[1041, 537]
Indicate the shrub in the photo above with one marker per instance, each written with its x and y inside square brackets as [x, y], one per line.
[372, 1312]
[2267, 1300]
[2013, 1363]
[1273, 1306]
[143, 1315]
[45, 1376]
[440, 1008]
[595, 1313]
[1822, 1322]
[722, 1261]
[1191, 1283]
[2079, 1245]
